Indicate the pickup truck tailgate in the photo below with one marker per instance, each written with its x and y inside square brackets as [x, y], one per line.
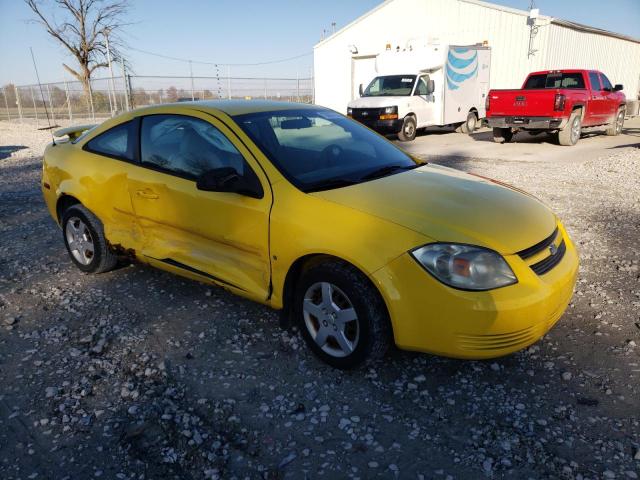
[521, 103]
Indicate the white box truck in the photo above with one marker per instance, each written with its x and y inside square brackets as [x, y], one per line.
[434, 85]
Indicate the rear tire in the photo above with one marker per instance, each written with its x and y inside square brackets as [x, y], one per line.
[502, 135]
[329, 291]
[570, 134]
[84, 238]
[470, 125]
[408, 131]
[615, 128]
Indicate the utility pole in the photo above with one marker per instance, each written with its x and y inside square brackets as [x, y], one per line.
[113, 87]
[126, 85]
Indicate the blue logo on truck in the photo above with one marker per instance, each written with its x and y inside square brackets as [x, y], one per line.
[462, 64]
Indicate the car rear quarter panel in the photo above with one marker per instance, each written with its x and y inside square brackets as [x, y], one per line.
[99, 183]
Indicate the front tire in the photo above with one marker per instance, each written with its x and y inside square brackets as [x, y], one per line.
[502, 135]
[615, 128]
[570, 134]
[408, 131]
[341, 315]
[470, 125]
[86, 244]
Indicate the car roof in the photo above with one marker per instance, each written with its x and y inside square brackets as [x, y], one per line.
[233, 107]
[563, 70]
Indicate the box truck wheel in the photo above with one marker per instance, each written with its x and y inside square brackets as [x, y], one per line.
[470, 125]
[502, 135]
[408, 130]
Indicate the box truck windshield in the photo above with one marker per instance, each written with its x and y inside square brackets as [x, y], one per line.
[390, 86]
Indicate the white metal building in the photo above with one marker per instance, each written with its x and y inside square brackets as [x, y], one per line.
[347, 58]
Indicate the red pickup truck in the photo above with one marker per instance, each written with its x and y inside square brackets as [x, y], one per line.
[561, 101]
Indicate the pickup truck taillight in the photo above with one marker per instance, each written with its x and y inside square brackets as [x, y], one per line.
[487, 103]
[558, 104]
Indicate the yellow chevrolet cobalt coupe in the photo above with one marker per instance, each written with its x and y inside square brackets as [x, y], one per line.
[302, 209]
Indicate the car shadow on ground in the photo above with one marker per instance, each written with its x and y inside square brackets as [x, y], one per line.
[7, 150]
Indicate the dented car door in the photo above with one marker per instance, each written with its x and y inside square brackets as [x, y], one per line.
[221, 236]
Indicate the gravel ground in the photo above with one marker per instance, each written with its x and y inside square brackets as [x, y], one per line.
[140, 374]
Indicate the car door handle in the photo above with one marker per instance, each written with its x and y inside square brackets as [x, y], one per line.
[147, 194]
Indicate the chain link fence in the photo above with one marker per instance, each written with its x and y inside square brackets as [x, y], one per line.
[71, 101]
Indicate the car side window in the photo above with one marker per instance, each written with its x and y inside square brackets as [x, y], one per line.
[116, 142]
[421, 89]
[186, 146]
[595, 81]
[606, 84]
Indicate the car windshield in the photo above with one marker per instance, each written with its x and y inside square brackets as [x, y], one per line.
[390, 85]
[554, 80]
[319, 149]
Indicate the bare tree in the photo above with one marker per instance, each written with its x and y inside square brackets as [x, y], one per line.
[83, 31]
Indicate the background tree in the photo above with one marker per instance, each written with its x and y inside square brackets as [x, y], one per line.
[172, 94]
[82, 29]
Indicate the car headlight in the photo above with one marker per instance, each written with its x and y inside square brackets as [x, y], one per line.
[391, 110]
[465, 267]
[349, 111]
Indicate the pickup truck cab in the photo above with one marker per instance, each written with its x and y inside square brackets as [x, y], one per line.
[559, 101]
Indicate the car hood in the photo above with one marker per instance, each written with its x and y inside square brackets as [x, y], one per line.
[377, 102]
[451, 206]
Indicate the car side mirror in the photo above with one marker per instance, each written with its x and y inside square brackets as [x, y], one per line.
[618, 87]
[227, 179]
[431, 87]
[360, 90]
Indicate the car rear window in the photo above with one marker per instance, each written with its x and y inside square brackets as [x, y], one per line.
[117, 142]
[554, 80]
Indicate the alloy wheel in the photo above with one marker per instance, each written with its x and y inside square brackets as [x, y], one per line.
[79, 240]
[619, 122]
[331, 319]
[575, 130]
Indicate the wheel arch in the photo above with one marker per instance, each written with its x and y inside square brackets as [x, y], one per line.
[303, 263]
[63, 203]
[578, 106]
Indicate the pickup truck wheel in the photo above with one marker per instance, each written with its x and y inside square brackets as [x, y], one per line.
[470, 125]
[570, 134]
[616, 127]
[408, 131]
[85, 241]
[342, 317]
[502, 135]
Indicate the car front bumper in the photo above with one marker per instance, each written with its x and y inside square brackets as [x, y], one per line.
[526, 123]
[382, 126]
[431, 317]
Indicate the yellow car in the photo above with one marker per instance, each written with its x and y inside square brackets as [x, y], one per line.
[302, 209]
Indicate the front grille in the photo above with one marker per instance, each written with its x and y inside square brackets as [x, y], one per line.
[538, 247]
[365, 114]
[500, 341]
[543, 266]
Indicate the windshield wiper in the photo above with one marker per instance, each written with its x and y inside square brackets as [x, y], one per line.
[387, 170]
[329, 184]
